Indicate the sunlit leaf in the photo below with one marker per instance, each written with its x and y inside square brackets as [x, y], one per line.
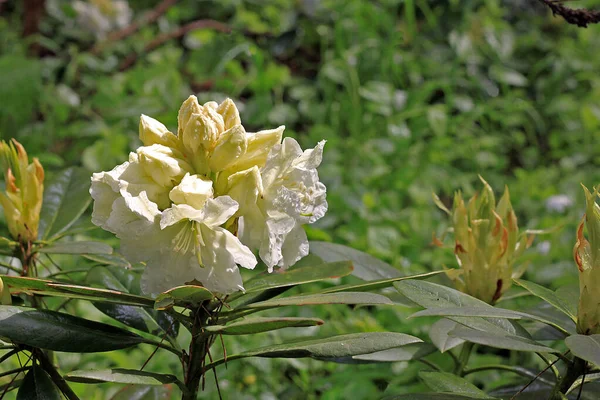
[79, 247]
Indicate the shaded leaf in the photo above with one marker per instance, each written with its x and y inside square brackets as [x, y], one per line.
[62, 332]
[257, 325]
[549, 296]
[586, 347]
[142, 392]
[120, 375]
[431, 396]
[65, 199]
[431, 295]
[366, 267]
[326, 298]
[489, 312]
[37, 385]
[405, 353]
[499, 340]
[446, 382]
[299, 276]
[109, 259]
[80, 247]
[376, 284]
[438, 333]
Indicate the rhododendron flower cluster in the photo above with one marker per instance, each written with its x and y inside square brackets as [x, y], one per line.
[197, 204]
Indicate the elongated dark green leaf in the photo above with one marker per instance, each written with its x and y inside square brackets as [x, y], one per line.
[586, 347]
[376, 285]
[61, 332]
[332, 348]
[120, 375]
[499, 340]
[38, 385]
[366, 267]
[188, 295]
[445, 382]
[431, 295]
[131, 316]
[299, 276]
[326, 298]
[438, 333]
[65, 199]
[409, 352]
[488, 312]
[549, 296]
[50, 288]
[257, 325]
[81, 247]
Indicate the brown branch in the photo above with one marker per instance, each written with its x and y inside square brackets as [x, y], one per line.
[34, 11]
[129, 30]
[574, 16]
[131, 59]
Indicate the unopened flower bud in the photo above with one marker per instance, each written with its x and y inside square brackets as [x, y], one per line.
[22, 200]
[154, 132]
[487, 243]
[230, 146]
[165, 165]
[587, 257]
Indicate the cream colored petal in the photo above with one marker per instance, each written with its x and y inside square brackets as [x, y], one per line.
[230, 146]
[193, 190]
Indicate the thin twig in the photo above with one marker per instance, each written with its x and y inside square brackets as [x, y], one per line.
[131, 59]
[581, 386]
[534, 379]
[13, 371]
[129, 30]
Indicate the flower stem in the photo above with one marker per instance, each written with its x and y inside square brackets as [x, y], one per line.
[463, 358]
[574, 370]
[194, 367]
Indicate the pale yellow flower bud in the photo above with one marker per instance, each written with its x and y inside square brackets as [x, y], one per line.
[5, 298]
[165, 165]
[189, 107]
[154, 132]
[230, 146]
[230, 113]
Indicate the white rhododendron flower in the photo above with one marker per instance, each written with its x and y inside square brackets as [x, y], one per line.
[195, 205]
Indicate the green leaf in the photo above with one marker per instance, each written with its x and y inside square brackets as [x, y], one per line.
[184, 296]
[257, 325]
[299, 276]
[488, 312]
[586, 347]
[65, 199]
[120, 375]
[109, 259]
[143, 392]
[446, 382]
[327, 298]
[366, 267]
[405, 353]
[38, 385]
[431, 295]
[549, 296]
[62, 332]
[377, 284]
[432, 396]
[438, 333]
[499, 340]
[134, 317]
[50, 288]
[80, 247]
[332, 348]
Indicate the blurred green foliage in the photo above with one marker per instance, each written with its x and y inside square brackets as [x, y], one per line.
[413, 96]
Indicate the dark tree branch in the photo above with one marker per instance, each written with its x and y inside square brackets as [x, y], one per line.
[575, 16]
[162, 39]
[129, 30]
